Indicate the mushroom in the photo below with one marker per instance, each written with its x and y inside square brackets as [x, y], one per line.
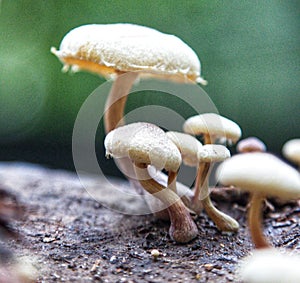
[189, 147]
[146, 144]
[113, 50]
[195, 155]
[291, 151]
[212, 126]
[208, 155]
[269, 266]
[263, 175]
[250, 144]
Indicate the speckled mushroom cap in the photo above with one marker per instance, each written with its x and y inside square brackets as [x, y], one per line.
[262, 173]
[188, 147]
[213, 153]
[213, 124]
[291, 150]
[111, 48]
[143, 143]
[269, 266]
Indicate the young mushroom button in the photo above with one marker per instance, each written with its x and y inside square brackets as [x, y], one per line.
[263, 175]
[146, 144]
[250, 144]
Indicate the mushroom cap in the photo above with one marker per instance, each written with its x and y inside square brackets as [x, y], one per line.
[261, 173]
[269, 266]
[291, 150]
[214, 125]
[213, 153]
[188, 147]
[112, 48]
[143, 143]
[251, 144]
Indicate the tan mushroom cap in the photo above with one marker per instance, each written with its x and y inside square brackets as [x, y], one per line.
[187, 145]
[143, 143]
[108, 49]
[251, 144]
[213, 153]
[214, 125]
[291, 150]
[261, 173]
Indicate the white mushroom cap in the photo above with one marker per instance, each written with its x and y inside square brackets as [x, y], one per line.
[214, 125]
[143, 143]
[291, 150]
[251, 144]
[213, 153]
[262, 173]
[111, 48]
[270, 266]
[188, 147]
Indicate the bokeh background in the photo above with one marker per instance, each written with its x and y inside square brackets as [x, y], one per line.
[249, 52]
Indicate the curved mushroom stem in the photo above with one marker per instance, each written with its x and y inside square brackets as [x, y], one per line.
[183, 229]
[223, 221]
[116, 101]
[255, 222]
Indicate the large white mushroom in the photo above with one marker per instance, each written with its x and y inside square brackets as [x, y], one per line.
[263, 175]
[269, 266]
[111, 50]
[147, 145]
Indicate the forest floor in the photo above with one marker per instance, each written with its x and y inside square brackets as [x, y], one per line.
[68, 236]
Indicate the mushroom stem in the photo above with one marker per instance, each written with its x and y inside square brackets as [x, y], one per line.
[223, 221]
[202, 174]
[172, 181]
[183, 229]
[255, 222]
[114, 117]
[207, 139]
[115, 104]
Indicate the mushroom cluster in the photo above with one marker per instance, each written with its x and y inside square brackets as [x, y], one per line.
[125, 52]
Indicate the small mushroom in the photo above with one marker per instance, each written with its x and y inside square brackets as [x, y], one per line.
[212, 127]
[195, 155]
[269, 266]
[208, 155]
[291, 151]
[250, 144]
[263, 175]
[146, 144]
[189, 147]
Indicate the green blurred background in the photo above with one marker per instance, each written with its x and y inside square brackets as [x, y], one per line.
[249, 52]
